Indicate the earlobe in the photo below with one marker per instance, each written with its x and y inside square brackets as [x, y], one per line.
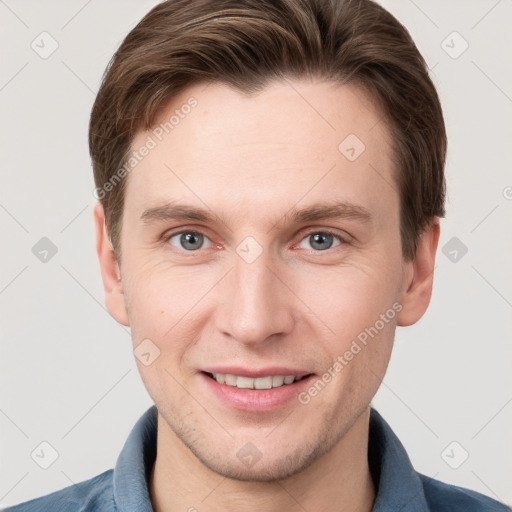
[109, 267]
[419, 277]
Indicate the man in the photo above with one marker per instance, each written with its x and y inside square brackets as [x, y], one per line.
[270, 182]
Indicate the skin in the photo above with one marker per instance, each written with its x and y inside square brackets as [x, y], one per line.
[250, 160]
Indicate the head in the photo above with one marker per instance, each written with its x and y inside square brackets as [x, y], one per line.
[270, 181]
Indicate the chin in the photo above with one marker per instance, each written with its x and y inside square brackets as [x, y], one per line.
[250, 464]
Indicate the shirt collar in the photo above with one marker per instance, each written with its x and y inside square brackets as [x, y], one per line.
[397, 485]
[134, 464]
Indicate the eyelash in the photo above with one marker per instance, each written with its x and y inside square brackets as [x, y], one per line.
[343, 240]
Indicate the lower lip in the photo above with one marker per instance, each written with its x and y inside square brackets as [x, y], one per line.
[257, 400]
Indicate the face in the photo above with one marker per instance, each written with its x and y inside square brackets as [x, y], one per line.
[260, 240]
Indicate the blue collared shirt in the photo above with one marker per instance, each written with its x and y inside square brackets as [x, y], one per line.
[126, 488]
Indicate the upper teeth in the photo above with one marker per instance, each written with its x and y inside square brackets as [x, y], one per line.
[272, 381]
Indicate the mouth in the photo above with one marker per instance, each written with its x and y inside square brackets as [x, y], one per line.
[256, 393]
[258, 383]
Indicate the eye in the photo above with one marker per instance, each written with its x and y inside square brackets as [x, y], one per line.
[321, 240]
[188, 240]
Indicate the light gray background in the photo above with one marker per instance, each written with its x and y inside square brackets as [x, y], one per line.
[68, 374]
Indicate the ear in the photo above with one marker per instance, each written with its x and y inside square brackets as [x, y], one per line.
[110, 272]
[419, 277]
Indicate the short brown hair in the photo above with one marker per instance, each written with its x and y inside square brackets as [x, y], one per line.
[248, 43]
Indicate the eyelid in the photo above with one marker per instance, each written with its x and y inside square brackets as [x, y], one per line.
[327, 231]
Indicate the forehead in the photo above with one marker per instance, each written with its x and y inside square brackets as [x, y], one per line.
[293, 143]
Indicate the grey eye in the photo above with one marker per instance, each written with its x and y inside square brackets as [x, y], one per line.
[188, 240]
[321, 241]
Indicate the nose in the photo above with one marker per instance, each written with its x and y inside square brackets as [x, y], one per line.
[256, 302]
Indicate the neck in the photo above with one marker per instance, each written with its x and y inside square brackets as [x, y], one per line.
[339, 481]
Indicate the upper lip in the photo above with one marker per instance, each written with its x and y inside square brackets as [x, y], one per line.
[256, 372]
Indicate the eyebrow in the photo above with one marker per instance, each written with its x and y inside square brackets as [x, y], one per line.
[319, 211]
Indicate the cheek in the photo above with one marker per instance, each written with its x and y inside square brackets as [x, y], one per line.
[348, 299]
[164, 310]
[359, 308]
[163, 301]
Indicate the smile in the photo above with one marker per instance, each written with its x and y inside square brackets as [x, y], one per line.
[241, 382]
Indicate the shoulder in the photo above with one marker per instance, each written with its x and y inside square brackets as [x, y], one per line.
[93, 495]
[442, 497]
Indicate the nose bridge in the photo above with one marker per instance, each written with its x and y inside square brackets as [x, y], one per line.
[256, 304]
